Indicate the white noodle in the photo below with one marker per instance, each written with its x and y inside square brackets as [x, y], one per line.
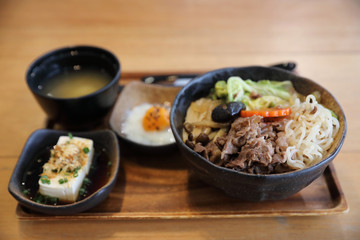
[310, 133]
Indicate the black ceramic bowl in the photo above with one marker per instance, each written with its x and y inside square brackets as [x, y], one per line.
[246, 186]
[41, 139]
[79, 112]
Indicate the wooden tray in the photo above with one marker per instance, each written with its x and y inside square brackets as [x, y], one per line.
[158, 187]
[161, 187]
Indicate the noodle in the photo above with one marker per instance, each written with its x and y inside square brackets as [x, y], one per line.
[310, 133]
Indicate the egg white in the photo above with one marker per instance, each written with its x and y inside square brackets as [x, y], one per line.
[133, 129]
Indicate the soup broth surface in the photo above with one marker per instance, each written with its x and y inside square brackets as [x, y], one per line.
[75, 84]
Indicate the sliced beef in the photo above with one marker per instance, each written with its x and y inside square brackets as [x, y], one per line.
[251, 145]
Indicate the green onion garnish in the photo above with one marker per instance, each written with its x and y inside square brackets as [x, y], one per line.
[63, 180]
[44, 179]
[86, 181]
[86, 150]
[54, 200]
[70, 135]
[82, 191]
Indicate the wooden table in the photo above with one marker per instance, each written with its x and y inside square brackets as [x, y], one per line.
[323, 37]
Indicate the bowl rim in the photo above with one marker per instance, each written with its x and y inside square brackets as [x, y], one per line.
[81, 205]
[49, 54]
[274, 176]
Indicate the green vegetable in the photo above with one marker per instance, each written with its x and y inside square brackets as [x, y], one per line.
[61, 181]
[70, 135]
[272, 88]
[334, 114]
[76, 172]
[45, 179]
[268, 93]
[235, 89]
[266, 102]
[81, 191]
[46, 199]
[221, 90]
[86, 150]
[86, 181]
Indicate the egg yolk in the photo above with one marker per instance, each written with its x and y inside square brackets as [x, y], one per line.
[156, 119]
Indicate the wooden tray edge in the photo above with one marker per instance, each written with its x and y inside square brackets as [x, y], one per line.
[341, 207]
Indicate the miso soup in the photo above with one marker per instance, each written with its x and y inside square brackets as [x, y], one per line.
[75, 84]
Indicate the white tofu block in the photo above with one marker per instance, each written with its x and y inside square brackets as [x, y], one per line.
[69, 191]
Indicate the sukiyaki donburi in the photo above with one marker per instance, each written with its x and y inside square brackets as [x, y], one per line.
[260, 127]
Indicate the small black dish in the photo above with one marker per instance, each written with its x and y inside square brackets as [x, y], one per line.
[82, 112]
[245, 186]
[43, 138]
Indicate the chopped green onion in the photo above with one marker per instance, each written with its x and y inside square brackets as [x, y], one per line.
[26, 192]
[39, 198]
[45, 199]
[334, 114]
[44, 179]
[61, 180]
[53, 200]
[86, 181]
[76, 174]
[81, 191]
[86, 150]
[70, 135]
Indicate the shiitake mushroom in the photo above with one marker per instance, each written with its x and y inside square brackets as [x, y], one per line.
[226, 112]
